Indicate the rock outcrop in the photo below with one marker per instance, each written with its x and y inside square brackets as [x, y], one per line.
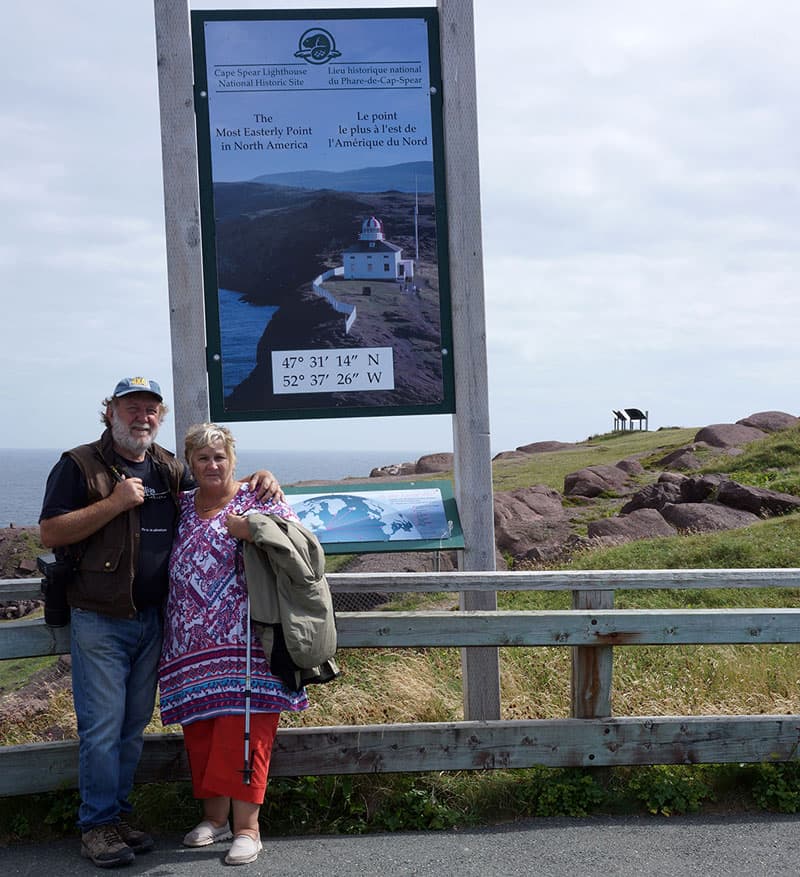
[393, 469]
[770, 421]
[425, 465]
[729, 435]
[510, 455]
[544, 447]
[595, 480]
[761, 502]
[530, 522]
[682, 458]
[701, 517]
[434, 463]
[639, 524]
[654, 496]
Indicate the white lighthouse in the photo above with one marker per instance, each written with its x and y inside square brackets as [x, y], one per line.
[372, 257]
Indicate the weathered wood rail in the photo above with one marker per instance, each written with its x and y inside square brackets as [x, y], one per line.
[591, 737]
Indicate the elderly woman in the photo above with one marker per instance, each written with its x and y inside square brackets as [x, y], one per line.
[202, 674]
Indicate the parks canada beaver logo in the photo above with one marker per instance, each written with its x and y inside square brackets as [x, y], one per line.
[317, 46]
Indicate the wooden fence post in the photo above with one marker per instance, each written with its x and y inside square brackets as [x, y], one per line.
[471, 435]
[182, 215]
[592, 666]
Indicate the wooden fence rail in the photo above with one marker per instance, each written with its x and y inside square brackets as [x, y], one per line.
[592, 629]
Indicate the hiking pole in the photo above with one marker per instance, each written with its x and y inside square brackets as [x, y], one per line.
[247, 770]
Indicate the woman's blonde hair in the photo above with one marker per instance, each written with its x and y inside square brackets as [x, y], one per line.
[203, 435]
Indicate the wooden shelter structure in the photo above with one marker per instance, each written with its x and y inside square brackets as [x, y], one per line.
[625, 418]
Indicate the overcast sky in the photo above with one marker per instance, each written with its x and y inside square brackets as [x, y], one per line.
[640, 177]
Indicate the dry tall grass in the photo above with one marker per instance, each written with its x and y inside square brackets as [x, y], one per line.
[380, 687]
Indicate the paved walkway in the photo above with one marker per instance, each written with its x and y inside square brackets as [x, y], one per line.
[725, 846]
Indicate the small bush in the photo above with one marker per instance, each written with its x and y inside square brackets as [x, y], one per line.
[61, 810]
[777, 787]
[305, 805]
[417, 809]
[568, 793]
[667, 790]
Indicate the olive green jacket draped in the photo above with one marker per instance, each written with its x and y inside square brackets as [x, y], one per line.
[289, 594]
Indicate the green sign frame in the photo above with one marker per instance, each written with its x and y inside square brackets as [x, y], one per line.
[321, 163]
[403, 516]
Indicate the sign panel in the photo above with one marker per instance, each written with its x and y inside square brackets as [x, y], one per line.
[323, 213]
[368, 517]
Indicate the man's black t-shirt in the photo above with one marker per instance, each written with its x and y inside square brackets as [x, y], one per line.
[66, 491]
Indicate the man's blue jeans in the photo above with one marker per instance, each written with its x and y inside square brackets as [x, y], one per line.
[114, 679]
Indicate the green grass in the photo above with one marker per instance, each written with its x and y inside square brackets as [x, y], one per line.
[769, 544]
[17, 671]
[772, 462]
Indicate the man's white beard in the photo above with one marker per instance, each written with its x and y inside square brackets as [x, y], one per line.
[134, 443]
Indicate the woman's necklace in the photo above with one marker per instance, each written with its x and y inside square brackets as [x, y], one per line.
[203, 509]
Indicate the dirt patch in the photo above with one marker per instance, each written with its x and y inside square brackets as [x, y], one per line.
[388, 561]
[403, 561]
[19, 547]
[25, 705]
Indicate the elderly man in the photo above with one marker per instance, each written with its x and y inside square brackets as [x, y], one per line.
[110, 508]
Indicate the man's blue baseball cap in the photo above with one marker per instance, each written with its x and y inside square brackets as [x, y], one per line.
[137, 385]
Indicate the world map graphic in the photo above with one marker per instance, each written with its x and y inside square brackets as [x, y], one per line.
[344, 517]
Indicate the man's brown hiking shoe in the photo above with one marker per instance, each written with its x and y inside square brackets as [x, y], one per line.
[105, 847]
[138, 841]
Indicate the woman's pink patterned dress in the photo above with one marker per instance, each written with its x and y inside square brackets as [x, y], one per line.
[203, 660]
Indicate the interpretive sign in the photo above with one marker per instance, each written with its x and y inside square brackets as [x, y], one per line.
[358, 518]
[323, 213]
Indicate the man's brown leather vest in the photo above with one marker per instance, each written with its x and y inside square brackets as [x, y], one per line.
[108, 558]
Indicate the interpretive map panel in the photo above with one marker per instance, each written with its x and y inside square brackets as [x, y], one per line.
[412, 516]
[323, 213]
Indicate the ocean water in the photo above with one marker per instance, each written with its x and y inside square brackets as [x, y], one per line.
[23, 472]
[241, 328]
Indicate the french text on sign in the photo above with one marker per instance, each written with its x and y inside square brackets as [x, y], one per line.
[337, 370]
